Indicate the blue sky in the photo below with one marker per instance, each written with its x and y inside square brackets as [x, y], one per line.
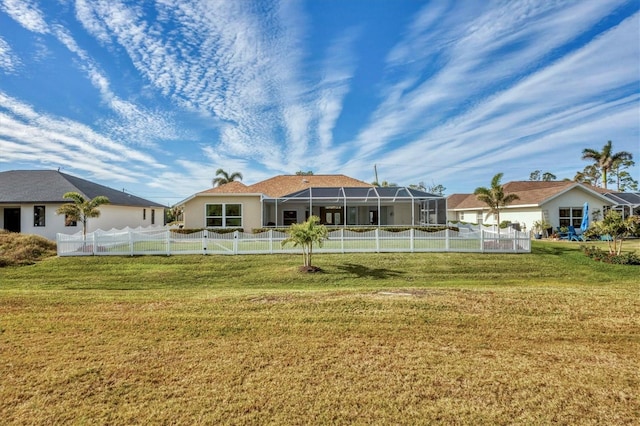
[153, 97]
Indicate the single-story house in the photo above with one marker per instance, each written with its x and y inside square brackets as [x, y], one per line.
[338, 200]
[29, 200]
[559, 203]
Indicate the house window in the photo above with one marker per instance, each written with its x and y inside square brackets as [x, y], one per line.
[290, 217]
[144, 214]
[570, 216]
[68, 221]
[38, 215]
[153, 217]
[223, 215]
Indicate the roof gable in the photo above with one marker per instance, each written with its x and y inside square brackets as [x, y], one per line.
[48, 186]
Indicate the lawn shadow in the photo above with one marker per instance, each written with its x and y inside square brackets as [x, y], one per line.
[554, 249]
[362, 271]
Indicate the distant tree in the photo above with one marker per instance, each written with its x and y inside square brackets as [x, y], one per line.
[434, 188]
[420, 186]
[494, 197]
[383, 184]
[305, 235]
[174, 214]
[621, 177]
[590, 175]
[81, 209]
[301, 173]
[223, 177]
[605, 159]
[537, 175]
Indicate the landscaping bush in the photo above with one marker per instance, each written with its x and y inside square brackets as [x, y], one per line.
[597, 254]
[217, 231]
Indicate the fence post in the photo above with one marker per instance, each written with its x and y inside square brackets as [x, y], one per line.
[447, 240]
[235, 241]
[205, 234]
[481, 240]
[342, 239]
[168, 231]
[412, 236]
[377, 233]
[270, 241]
[130, 242]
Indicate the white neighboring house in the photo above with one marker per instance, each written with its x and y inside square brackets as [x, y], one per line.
[29, 200]
[558, 202]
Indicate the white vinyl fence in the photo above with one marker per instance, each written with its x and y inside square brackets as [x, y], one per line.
[163, 241]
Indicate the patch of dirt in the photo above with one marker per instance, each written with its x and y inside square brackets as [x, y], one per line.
[309, 269]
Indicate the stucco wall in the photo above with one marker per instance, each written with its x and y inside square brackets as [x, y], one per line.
[194, 210]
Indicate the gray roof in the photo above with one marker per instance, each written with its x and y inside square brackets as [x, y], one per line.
[362, 193]
[48, 186]
[625, 198]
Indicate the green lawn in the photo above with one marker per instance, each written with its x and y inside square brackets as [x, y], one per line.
[546, 337]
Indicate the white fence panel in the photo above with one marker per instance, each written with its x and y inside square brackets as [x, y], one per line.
[164, 241]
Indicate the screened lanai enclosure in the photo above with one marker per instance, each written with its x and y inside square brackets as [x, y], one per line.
[626, 203]
[357, 206]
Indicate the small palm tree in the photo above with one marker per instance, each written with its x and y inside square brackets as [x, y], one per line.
[495, 197]
[305, 235]
[81, 209]
[223, 177]
[606, 159]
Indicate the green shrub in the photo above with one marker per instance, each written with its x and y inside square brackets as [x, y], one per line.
[597, 254]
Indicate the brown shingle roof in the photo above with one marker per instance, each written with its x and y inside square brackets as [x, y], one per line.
[530, 193]
[234, 187]
[279, 186]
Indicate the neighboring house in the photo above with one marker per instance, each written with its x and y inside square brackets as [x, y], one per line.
[29, 200]
[558, 202]
[338, 200]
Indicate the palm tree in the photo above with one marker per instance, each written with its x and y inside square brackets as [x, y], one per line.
[605, 159]
[305, 235]
[224, 177]
[495, 197]
[81, 209]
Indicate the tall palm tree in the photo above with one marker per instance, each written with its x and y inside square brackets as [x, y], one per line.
[605, 159]
[81, 209]
[495, 197]
[223, 177]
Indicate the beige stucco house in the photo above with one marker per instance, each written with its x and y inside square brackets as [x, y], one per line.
[338, 200]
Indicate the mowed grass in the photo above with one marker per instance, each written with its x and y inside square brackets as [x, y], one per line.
[546, 337]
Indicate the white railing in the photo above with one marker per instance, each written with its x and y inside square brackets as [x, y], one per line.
[163, 241]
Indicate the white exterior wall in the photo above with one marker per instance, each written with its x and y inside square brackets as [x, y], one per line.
[528, 215]
[111, 216]
[574, 198]
[53, 223]
[119, 217]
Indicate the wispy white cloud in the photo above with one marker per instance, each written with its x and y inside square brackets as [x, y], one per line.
[27, 133]
[134, 123]
[475, 108]
[27, 14]
[240, 62]
[9, 62]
